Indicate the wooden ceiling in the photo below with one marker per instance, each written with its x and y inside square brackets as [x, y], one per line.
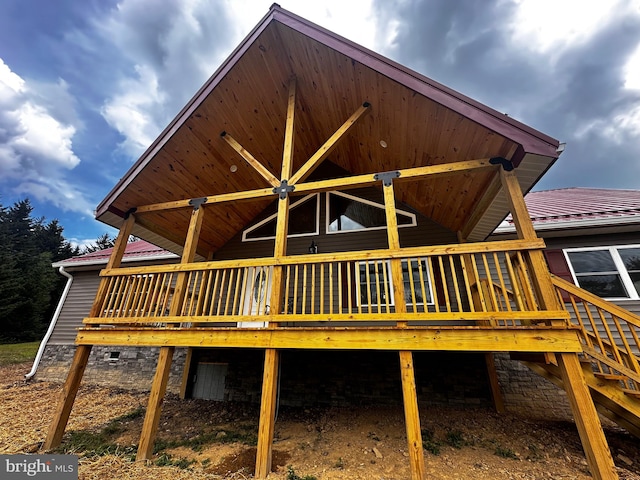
[247, 98]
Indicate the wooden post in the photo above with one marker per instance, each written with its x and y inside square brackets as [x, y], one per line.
[67, 397]
[584, 411]
[544, 287]
[81, 356]
[412, 416]
[409, 394]
[185, 373]
[161, 377]
[271, 357]
[267, 412]
[496, 393]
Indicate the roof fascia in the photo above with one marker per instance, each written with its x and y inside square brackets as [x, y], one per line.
[103, 261]
[573, 224]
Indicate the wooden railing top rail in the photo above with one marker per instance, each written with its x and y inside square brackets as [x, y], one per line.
[619, 312]
[382, 254]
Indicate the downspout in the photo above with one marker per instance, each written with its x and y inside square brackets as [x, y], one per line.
[52, 325]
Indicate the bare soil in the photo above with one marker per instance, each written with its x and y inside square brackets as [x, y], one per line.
[199, 439]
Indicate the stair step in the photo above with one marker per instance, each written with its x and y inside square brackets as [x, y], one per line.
[632, 393]
[610, 376]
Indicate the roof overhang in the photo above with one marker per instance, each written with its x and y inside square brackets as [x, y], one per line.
[421, 121]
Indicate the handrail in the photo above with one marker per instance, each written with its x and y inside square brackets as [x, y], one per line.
[380, 254]
[608, 332]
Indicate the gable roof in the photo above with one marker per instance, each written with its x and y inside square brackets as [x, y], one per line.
[570, 208]
[421, 121]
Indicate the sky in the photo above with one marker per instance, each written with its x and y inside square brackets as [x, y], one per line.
[87, 85]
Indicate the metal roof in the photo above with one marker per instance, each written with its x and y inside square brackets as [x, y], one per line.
[579, 207]
[135, 251]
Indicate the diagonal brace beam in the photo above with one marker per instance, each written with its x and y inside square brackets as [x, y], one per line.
[328, 146]
[251, 160]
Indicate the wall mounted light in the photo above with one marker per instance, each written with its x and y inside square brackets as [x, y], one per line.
[313, 248]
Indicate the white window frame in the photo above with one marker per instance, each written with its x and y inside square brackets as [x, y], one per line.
[412, 216]
[316, 232]
[387, 263]
[627, 283]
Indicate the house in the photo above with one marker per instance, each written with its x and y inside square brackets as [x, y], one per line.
[324, 198]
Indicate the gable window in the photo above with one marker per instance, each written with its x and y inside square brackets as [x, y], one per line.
[348, 213]
[304, 219]
[609, 272]
[375, 287]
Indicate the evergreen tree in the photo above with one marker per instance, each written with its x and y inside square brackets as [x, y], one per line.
[29, 287]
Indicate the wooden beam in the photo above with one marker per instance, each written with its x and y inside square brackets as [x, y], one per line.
[186, 373]
[344, 183]
[393, 240]
[267, 413]
[590, 430]
[152, 416]
[67, 397]
[287, 152]
[251, 160]
[462, 339]
[412, 416]
[327, 147]
[496, 392]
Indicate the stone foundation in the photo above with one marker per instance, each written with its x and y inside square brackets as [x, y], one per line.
[322, 378]
[125, 367]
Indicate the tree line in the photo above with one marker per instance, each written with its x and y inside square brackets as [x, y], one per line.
[29, 287]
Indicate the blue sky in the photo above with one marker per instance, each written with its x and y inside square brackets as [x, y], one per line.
[86, 85]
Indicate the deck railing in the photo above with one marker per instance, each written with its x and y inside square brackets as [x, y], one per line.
[472, 284]
[609, 334]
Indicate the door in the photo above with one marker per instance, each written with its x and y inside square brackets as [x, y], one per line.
[209, 381]
[257, 294]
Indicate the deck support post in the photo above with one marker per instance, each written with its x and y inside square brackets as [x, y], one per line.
[152, 417]
[584, 411]
[412, 416]
[161, 377]
[267, 413]
[496, 393]
[67, 397]
[81, 356]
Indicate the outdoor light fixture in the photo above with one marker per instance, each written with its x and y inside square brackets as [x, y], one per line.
[313, 248]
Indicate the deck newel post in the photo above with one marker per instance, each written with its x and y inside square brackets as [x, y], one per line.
[407, 374]
[272, 356]
[161, 377]
[81, 356]
[594, 443]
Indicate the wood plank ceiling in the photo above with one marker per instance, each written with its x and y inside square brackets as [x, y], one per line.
[249, 103]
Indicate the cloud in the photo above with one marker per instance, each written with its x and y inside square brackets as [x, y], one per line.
[573, 87]
[167, 54]
[36, 149]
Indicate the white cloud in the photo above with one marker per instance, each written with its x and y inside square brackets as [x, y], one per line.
[35, 148]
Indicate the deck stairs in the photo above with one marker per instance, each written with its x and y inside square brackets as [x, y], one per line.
[610, 358]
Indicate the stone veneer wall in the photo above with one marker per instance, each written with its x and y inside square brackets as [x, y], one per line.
[133, 369]
[526, 392]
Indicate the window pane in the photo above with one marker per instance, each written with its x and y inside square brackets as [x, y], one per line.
[603, 285]
[374, 283]
[635, 278]
[302, 220]
[416, 269]
[631, 258]
[347, 214]
[594, 261]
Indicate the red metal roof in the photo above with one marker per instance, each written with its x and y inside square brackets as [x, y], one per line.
[582, 205]
[138, 250]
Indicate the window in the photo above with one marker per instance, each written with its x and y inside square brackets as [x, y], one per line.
[348, 213]
[609, 272]
[375, 287]
[304, 219]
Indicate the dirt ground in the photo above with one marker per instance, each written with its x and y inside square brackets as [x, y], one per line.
[199, 439]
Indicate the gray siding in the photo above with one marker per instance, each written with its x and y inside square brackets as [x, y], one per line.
[76, 307]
